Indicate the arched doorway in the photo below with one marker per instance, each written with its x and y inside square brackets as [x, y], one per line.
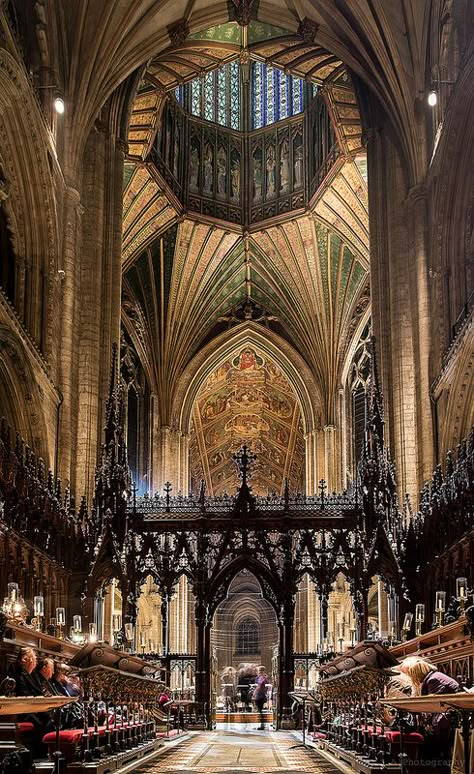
[244, 635]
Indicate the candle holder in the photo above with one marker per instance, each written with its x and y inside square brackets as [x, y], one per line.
[353, 632]
[407, 623]
[129, 632]
[60, 621]
[75, 633]
[440, 607]
[38, 612]
[461, 593]
[392, 636]
[419, 618]
[14, 606]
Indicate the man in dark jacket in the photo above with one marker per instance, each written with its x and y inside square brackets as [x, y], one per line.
[24, 674]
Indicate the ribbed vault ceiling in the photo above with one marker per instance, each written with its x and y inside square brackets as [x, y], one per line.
[181, 290]
[186, 282]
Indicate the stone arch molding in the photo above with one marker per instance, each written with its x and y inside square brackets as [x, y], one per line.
[31, 204]
[22, 399]
[221, 349]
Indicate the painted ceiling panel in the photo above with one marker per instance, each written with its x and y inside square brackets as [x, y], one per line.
[146, 212]
[247, 400]
[344, 206]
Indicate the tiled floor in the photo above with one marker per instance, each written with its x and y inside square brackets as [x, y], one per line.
[249, 751]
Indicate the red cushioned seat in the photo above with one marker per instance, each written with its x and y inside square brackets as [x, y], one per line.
[25, 728]
[411, 740]
[319, 735]
[68, 741]
[69, 736]
[413, 737]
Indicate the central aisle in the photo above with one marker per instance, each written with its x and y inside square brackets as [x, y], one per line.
[226, 752]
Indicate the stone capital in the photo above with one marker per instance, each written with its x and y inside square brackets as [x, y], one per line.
[416, 193]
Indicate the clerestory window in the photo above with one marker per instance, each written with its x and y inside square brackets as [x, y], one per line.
[217, 96]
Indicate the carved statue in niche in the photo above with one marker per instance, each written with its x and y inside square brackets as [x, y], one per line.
[194, 169]
[298, 163]
[208, 168]
[257, 179]
[235, 180]
[284, 166]
[221, 171]
[270, 166]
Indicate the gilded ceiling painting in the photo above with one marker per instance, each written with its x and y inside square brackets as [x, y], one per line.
[247, 400]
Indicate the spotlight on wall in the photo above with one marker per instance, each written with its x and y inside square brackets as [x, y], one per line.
[432, 98]
[59, 105]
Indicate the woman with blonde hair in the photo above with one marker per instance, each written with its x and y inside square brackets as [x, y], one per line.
[427, 680]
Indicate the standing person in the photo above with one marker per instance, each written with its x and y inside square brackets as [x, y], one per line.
[260, 694]
[228, 688]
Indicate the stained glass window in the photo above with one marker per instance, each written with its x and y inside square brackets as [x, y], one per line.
[216, 96]
[209, 97]
[196, 97]
[257, 94]
[234, 95]
[221, 96]
[275, 95]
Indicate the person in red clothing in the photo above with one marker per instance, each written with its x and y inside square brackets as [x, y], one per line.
[260, 694]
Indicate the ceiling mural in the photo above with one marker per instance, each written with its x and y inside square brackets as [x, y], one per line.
[247, 400]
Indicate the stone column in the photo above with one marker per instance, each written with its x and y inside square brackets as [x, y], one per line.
[416, 206]
[309, 463]
[165, 623]
[286, 663]
[330, 472]
[73, 212]
[400, 310]
[203, 652]
[184, 464]
[100, 293]
[154, 462]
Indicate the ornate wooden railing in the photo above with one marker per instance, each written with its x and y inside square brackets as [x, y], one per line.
[439, 543]
[33, 505]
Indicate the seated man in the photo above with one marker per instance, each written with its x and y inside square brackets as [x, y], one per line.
[44, 674]
[24, 674]
[27, 684]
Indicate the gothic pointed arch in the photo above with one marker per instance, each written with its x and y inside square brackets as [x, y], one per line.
[271, 587]
[27, 169]
[224, 346]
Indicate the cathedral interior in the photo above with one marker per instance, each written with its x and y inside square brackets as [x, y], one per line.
[236, 375]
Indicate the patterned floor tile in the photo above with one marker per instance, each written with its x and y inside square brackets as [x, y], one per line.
[236, 753]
